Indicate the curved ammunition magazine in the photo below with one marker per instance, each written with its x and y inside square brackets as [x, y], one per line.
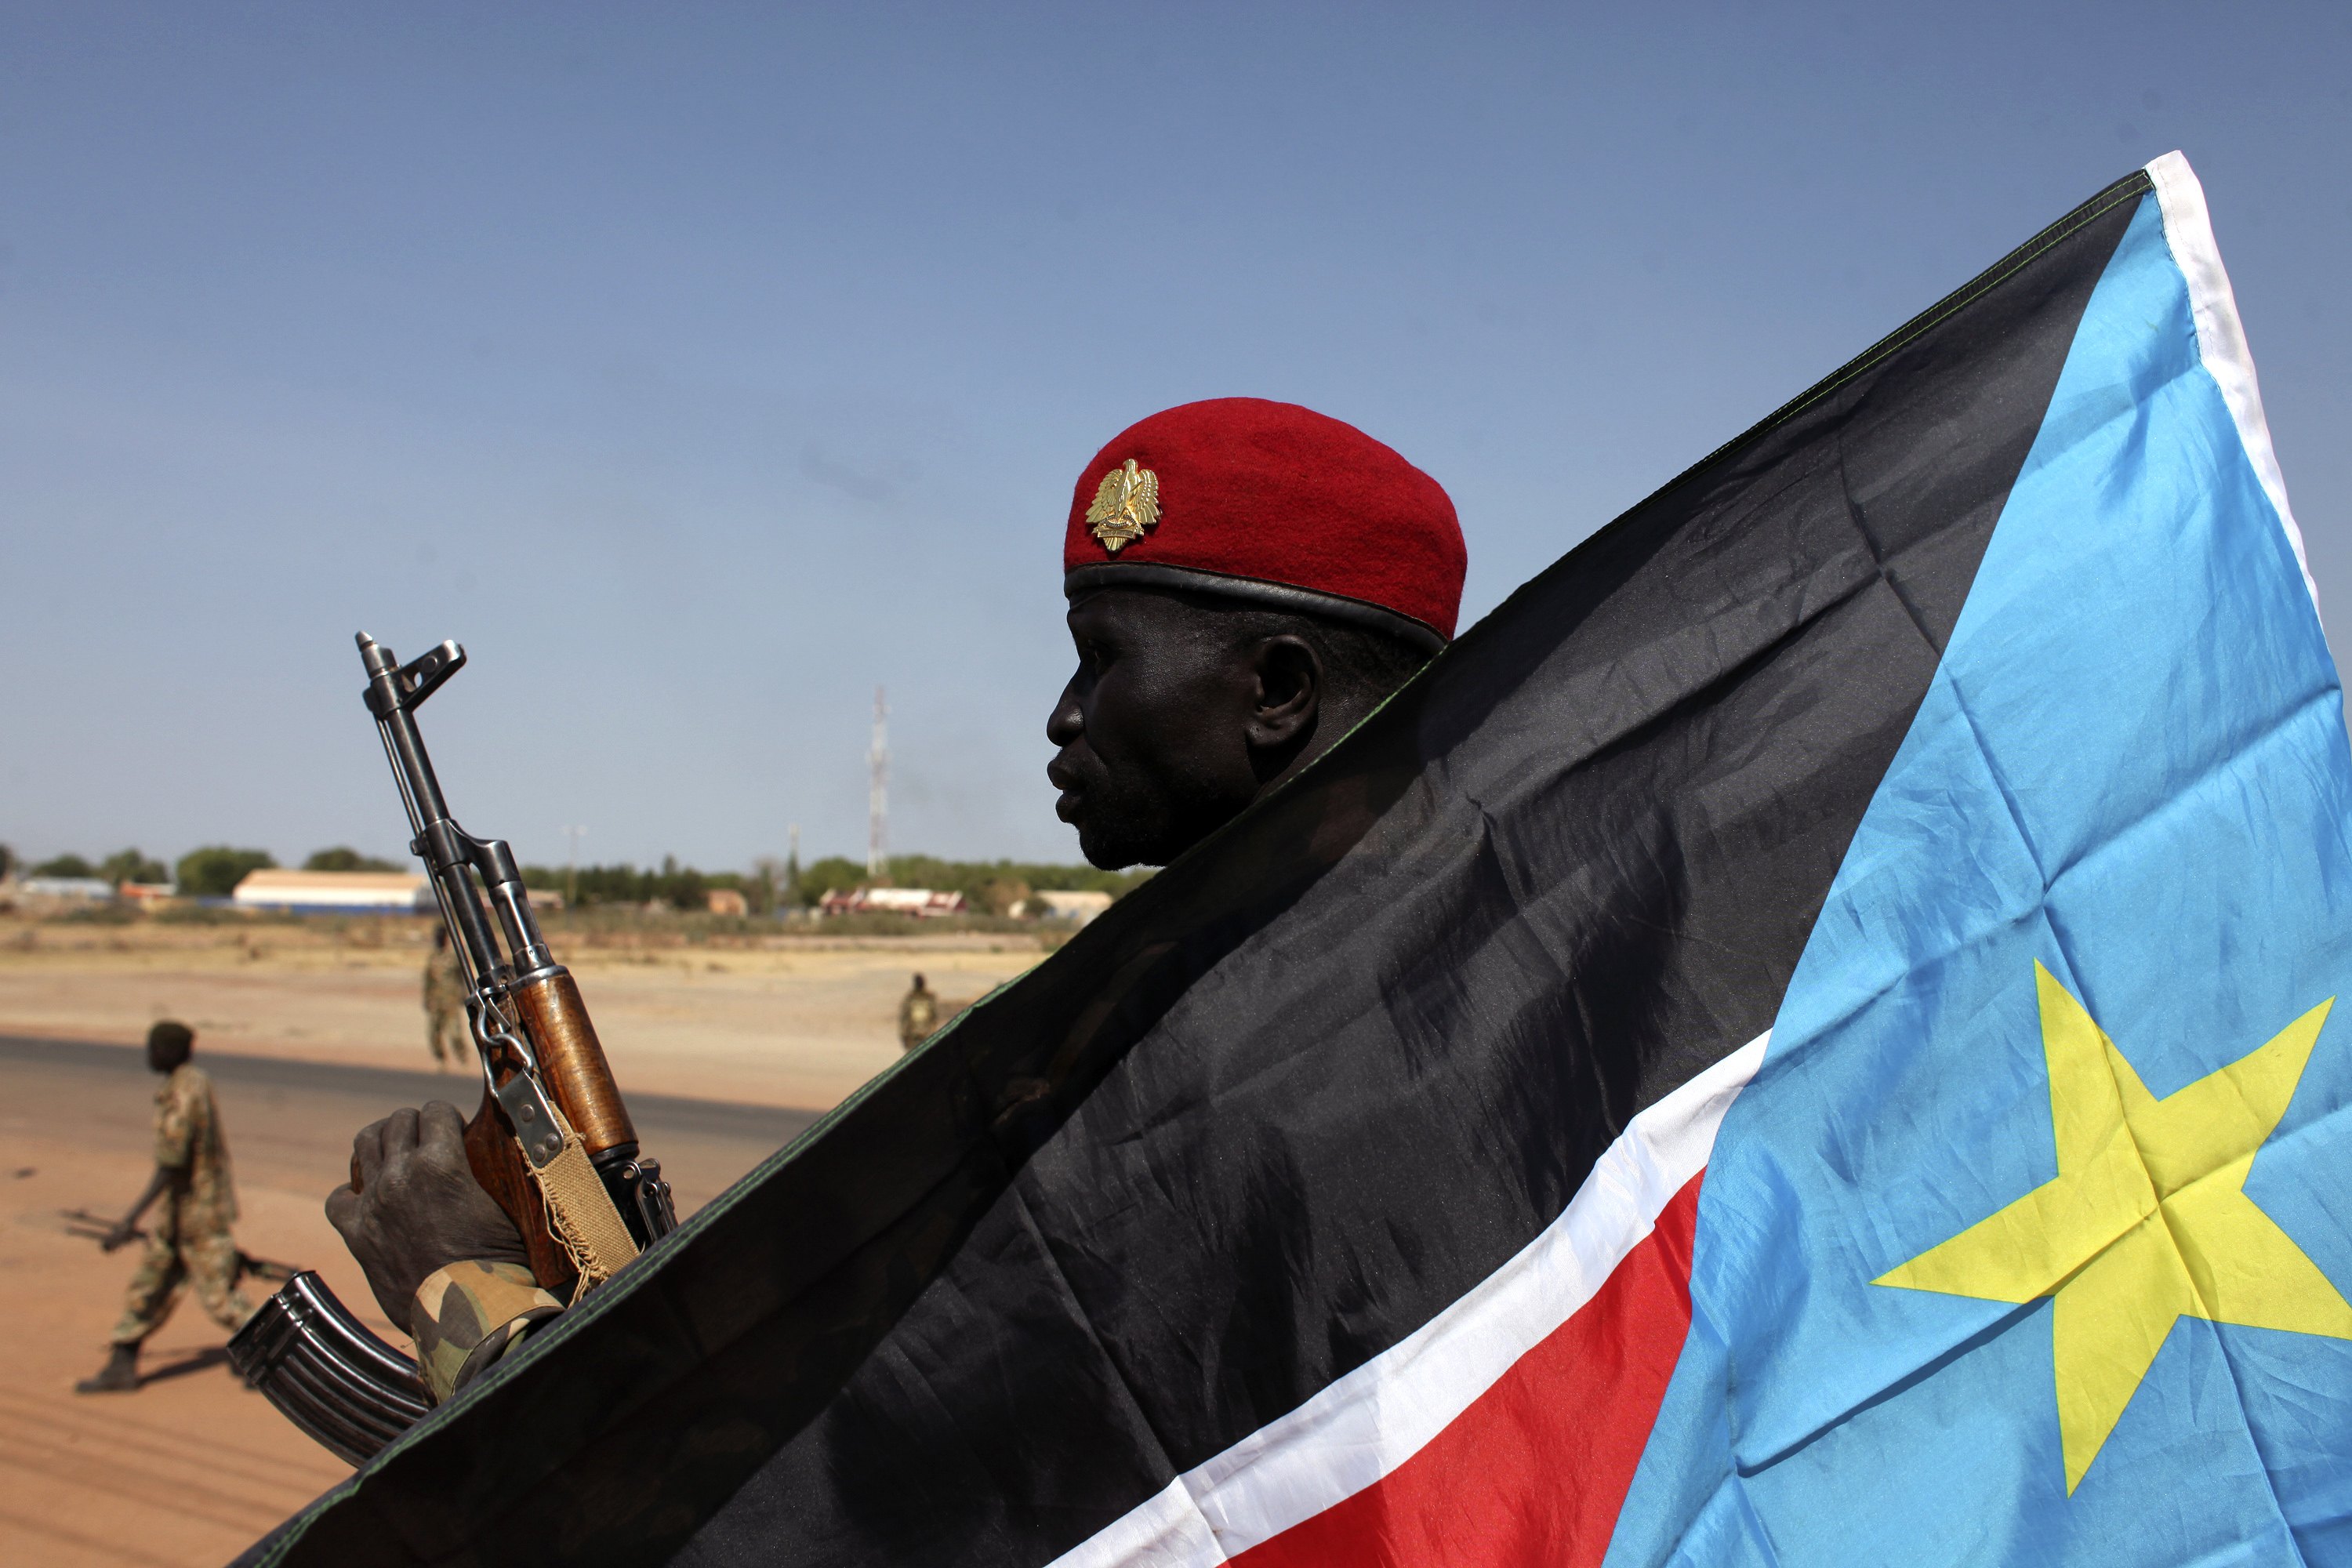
[326, 1374]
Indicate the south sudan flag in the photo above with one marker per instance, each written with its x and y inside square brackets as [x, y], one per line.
[1804, 1038]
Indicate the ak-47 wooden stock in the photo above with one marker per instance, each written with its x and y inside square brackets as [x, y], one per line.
[571, 1060]
[580, 1082]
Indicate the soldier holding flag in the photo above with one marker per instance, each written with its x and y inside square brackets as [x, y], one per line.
[1247, 581]
[1805, 1038]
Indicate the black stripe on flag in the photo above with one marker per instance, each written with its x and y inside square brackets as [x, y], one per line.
[1311, 1084]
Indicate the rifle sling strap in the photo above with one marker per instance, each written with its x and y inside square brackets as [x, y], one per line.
[581, 1214]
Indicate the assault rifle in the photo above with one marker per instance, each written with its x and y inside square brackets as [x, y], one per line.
[551, 1144]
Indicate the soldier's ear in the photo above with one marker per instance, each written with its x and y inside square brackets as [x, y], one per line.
[1288, 693]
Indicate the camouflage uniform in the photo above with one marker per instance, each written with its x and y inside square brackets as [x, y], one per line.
[189, 1240]
[919, 1017]
[444, 1005]
[468, 1315]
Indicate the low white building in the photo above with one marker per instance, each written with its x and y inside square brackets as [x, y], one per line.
[923, 903]
[1080, 907]
[66, 889]
[335, 892]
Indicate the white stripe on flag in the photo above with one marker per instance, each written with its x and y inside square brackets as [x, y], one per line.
[2220, 335]
[1370, 1421]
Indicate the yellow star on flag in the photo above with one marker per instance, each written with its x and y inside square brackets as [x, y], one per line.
[2147, 1222]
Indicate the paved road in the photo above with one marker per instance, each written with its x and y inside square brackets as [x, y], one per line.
[295, 1111]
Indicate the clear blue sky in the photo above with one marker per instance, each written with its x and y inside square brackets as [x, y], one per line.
[700, 367]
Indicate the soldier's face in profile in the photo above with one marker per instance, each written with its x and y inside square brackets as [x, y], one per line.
[1153, 728]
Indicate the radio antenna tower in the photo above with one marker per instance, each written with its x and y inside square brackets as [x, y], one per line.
[877, 809]
[572, 871]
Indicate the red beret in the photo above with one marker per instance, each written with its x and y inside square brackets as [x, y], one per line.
[1271, 502]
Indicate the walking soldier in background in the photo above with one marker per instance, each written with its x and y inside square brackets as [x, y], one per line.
[190, 1242]
[444, 1001]
[918, 1014]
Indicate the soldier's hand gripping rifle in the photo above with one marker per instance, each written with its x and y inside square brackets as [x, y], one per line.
[551, 1142]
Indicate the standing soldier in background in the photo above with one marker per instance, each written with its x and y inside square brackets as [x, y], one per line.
[190, 1243]
[444, 1001]
[918, 1014]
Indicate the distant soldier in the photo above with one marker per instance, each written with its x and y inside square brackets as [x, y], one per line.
[444, 1001]
[918, 1014]
[189, 1243]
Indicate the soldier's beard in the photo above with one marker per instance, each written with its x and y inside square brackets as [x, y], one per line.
[1132, 819]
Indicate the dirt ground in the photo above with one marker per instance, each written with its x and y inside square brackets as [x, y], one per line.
[192, 1467]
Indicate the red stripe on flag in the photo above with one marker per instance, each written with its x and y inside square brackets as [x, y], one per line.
[1535, 1470]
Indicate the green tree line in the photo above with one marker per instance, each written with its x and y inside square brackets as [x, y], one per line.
[122, 865]
[999, 886]
[987, 885]
[211, 872]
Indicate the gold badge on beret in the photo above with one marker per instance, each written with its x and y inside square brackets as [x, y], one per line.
[1125, 505]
